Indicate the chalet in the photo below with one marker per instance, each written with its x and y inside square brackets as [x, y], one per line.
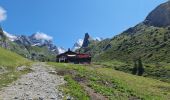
[73, 57]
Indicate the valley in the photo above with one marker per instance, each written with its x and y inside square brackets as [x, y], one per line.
[133, 65]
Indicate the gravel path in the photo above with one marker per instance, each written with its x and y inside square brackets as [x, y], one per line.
[37, 85]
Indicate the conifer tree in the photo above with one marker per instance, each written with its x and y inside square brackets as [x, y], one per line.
[135, 68]
[140, 67]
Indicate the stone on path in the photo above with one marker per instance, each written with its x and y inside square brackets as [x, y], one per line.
[39, 85]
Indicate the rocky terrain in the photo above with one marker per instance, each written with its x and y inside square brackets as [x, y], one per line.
[40, 84]
[160, 16]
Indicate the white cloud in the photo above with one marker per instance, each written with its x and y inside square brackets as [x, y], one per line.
[42, 36]
[3, 15]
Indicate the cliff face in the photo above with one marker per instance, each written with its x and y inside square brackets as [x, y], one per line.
[86, 40]
[159, 17]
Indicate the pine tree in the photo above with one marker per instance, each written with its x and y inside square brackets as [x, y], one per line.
[135, 68]
[140, 67]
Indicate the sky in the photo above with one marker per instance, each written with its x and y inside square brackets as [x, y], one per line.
[66, 21]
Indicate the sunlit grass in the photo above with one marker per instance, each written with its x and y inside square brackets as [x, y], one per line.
[10, 61]
[117, 85]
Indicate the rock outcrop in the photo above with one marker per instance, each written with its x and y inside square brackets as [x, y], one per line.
[86, 40]
[159, 17]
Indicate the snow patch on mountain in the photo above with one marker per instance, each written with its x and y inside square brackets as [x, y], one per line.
[10, 36]
[61, 50]
[79, 42]
[38, 39]
[98, 38]
[77, 45]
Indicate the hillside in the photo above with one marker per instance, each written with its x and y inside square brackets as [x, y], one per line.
[10, 59]
[40, 53]
[93, 82]
[31, 47]
[9, 63]
[148, 40]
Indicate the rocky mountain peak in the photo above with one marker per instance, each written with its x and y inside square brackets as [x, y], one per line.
[83, 43]
[159, 17]
[86, 40]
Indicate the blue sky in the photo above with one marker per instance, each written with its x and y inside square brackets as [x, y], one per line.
[68, 20]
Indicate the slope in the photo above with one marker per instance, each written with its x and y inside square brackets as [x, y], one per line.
[11, 67]
[111, 84]
[148, 40]
[10, 59]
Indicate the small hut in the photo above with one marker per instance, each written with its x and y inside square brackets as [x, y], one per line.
[73, 57]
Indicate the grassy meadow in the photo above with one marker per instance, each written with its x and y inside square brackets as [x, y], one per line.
[9, 62]
[109, 83]
[159, 70]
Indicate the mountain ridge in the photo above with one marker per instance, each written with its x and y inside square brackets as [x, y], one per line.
[144, 40]
[38, 46]
[160, 16]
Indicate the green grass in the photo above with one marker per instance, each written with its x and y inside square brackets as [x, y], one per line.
[112, 84]
[10, 61]
[152, 44]
[74, 89]
[160, 71]
[11, 76]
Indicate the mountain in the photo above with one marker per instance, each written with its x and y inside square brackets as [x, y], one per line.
[160, 16]
[84, 43]
[149, 40]
[60, 50]
[38, 46]
[86, 40]
[77, 45]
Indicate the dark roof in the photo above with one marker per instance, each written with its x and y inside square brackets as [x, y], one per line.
[79, 55]
[69, 52]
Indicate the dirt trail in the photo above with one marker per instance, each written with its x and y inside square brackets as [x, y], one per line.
[37, 85]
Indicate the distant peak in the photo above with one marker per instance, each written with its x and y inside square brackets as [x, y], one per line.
[160, 16]
[86, 40]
